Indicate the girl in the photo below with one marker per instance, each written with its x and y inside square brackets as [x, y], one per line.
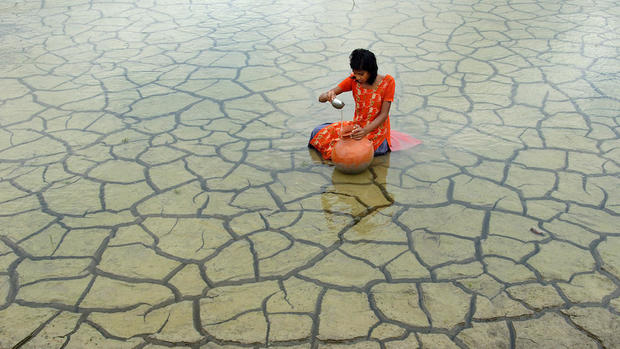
[373, 95]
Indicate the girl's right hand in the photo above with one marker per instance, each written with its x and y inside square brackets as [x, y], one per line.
[331, 95]
[327, 96]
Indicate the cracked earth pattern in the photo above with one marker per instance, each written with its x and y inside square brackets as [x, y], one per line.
[156, 190]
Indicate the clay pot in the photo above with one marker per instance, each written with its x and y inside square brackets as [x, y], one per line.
[351, 155]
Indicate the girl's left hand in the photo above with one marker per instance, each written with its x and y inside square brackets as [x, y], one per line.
[358, 132]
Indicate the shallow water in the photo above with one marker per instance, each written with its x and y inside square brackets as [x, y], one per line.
[156, 188]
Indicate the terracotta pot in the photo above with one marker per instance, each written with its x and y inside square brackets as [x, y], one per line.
[352, 156]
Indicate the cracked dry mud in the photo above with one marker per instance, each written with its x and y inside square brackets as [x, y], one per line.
[156, 190]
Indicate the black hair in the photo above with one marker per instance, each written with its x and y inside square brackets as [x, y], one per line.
[362, 59]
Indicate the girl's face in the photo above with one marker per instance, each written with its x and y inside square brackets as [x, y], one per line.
[361, 76]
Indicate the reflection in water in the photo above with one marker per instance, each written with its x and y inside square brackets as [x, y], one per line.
[358, 195]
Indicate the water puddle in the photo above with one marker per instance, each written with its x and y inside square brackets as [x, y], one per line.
[154, 165]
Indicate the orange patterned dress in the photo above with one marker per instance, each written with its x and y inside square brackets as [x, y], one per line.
[368, 104]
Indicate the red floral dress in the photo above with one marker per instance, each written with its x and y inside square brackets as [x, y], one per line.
[368, 104]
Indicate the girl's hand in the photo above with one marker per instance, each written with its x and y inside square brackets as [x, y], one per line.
[327, 96]
[359, 132]
[331, 95]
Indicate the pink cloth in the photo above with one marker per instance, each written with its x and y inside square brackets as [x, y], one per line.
[402, 141]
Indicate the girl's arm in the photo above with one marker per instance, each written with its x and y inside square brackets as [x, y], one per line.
[361, 132]
[329, 95]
